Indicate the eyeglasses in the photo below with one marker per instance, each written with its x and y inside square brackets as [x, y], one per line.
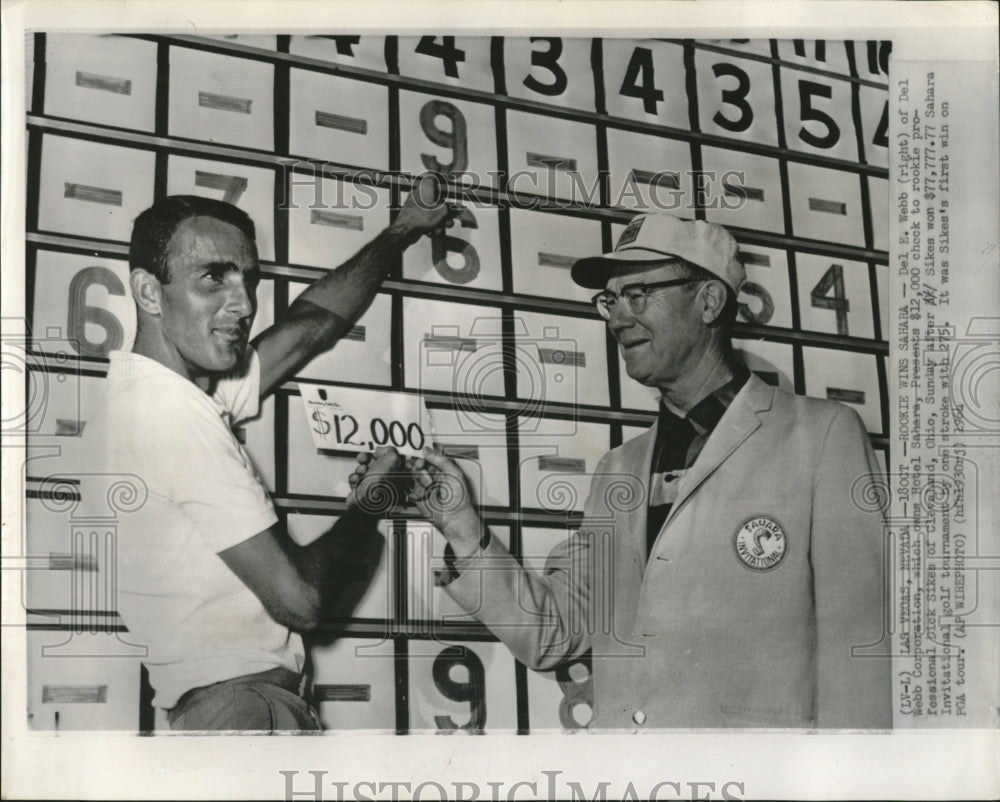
[635, 296]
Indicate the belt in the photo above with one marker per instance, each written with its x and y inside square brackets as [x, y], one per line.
[280, 676]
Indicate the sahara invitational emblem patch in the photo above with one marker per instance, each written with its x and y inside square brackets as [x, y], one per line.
[761, 543]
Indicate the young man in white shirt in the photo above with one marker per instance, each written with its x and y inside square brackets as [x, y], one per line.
[207, 577]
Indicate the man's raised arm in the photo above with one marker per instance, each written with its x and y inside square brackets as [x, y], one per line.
[332, 305]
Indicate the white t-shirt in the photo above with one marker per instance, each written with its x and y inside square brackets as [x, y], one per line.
[201, 624]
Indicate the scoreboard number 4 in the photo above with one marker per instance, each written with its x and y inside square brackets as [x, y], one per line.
[640, 67]
[450, 55]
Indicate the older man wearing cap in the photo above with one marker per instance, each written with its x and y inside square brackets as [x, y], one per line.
[738, 585]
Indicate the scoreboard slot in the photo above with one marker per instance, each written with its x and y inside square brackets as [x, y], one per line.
[329, 220]
[109, 80]
[558, 459]
[338, 120]
[221, 99]
[250, 188]
[91, 189]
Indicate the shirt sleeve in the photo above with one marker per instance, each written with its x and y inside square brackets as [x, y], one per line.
[239, 393]
[187, 453]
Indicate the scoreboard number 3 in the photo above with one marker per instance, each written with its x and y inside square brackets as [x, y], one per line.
[735, 97]
[547, 59]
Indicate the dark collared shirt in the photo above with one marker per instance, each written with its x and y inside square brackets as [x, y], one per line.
[679, 441]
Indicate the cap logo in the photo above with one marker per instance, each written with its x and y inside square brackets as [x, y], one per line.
[761, 543]
[630, 233]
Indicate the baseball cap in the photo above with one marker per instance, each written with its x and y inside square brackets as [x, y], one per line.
[657, 237]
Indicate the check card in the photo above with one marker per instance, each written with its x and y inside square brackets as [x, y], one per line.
[350, 419]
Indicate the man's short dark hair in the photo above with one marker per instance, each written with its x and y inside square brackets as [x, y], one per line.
[154, 227]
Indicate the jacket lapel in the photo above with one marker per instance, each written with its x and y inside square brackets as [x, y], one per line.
[637, 461]
[735, 426]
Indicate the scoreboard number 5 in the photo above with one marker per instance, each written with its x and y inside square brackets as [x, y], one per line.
[808, 90]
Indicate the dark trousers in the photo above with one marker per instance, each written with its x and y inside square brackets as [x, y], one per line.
[265, 702]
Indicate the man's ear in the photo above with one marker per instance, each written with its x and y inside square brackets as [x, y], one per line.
[714, 300]
[146, 290]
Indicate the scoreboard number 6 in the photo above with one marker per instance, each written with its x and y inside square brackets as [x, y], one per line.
[80, 313]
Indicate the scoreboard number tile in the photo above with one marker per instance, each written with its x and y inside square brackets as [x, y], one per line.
[452, 347]
[339, 120]
[109, 80]
[543, 249]
[552, 157]
[455, 60]
[362, 354]
[847, 377]
[550, 69]
[366, 52]
[477, 441]
[461, 687]
[644, 80]
[875, 124]
[882, 285]
[742, 189]
[819, 53]
[878, 201]
[765, 297]
[773, 363]
[561, 359]
[466, 253]
[91, 189]
[311, 472]
[735, 97]
[86, 300]
[649, 173]
[562, 699]
[558, 461]
[826, 204]
[329, 220]
[834, 296]
[426, 600]
[817, 114]
[354, 683]
[448, 136]
[250, 188]
[74, 683]
[221, 99]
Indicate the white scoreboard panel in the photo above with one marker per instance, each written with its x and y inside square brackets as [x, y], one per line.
[548, 144]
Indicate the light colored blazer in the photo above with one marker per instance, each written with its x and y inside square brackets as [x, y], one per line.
[780, 626]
